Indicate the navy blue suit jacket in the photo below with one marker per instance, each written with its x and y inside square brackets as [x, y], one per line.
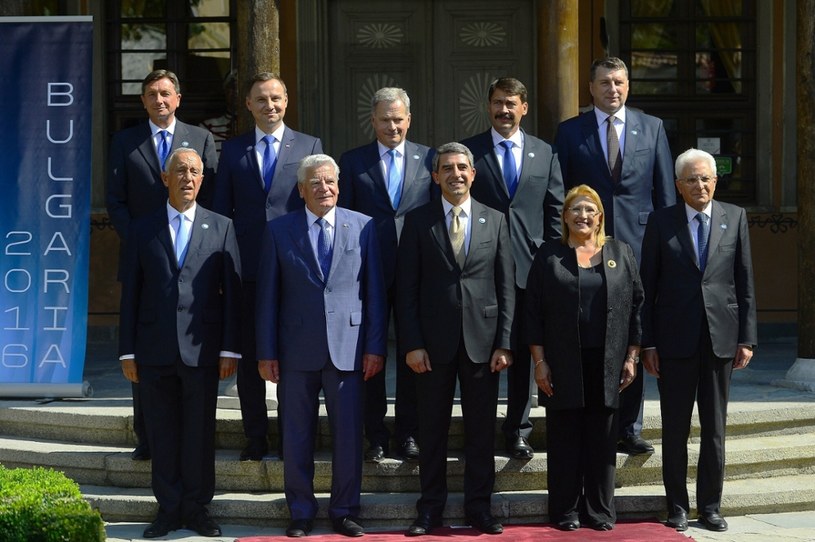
[363, 188]
[646, 181]
[303, 320]
[533, 214]
[239, 189]
[680, 299]
[192, 312]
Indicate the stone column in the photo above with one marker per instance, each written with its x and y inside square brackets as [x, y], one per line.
[558, 64]
[802, 374]
[258, 46]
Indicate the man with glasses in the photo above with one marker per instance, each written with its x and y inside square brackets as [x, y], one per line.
[630, 167]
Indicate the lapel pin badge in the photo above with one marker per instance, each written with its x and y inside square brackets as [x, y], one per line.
[345, 225]
[250, 147]
[612, 264]
[416, 156]
[633, 132]
[185, 144]
[205, 226]
[482, 220]
[531, 155]
[723, 226]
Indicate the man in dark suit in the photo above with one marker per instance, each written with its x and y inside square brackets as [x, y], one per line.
[632, 182]
[455, 303]
[384, 180]
[699, 323]
[321, 325]
[178, 334]
[528, 189]
[135, 188]
[256, 182]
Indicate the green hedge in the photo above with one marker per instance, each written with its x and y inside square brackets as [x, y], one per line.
[41, 505]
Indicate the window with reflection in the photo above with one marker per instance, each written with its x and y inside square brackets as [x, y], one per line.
[693, 63]
[192, 38]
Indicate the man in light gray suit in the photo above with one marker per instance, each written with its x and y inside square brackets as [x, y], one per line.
[384, 180]
[321, 325]
[135, 189]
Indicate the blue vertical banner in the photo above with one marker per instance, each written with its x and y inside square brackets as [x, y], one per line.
[45, 185]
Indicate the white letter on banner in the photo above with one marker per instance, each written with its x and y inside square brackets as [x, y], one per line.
[54, 246]
[59, 360]
[26, 275]
[62, 92]
[9, 356]
[48, 280]
[65, 208]
[51, 175]
[55, 326]
[70, 132]
[26, 235]
[16, 311]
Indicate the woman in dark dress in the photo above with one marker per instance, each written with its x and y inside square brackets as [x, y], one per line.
[583, 326]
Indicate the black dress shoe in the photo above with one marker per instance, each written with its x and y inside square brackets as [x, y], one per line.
[713, 522]
[484, 522]
[678, 520]
[161, 527]
[519, 448]
[423, 524]
[568, 525]
[348, 526]
[634, 445]
[375, 453]
[140, 453]
[409, 450]
[204, 525]
[602, 526]
[255, 450]
[299, 528]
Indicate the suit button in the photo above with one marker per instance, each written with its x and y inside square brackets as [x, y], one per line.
[180, 308]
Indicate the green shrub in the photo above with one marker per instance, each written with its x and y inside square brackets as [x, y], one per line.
[42, 505]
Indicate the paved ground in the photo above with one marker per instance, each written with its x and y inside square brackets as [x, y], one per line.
[750, 389]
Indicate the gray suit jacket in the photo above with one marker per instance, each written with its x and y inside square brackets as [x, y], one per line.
[533, 215]
[303, 320]
[437, 302]
[363, 188]
[647, 177]
[680, 300]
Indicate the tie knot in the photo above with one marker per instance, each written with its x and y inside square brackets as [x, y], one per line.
[269, 139]
[611, 119]
[702, 217]
[162, 134]
[507, 144]
[456, 210]
[392, 154]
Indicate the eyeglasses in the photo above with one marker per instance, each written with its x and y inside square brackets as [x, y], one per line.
[704, 179]
[590, 212]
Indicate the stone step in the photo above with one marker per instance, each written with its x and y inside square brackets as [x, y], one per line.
[754, 457]
[110, 422]
[397, 510]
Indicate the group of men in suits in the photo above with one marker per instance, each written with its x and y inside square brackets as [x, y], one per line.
[374, 234]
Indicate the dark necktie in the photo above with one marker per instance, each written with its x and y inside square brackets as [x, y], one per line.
[324, 248]
[510, 171]
[615, 159]
[269, 161]
[457, 236]
[394, 180]
[702, 235]
[163, 148]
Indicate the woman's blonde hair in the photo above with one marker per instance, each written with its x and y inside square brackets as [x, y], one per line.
[585, 191]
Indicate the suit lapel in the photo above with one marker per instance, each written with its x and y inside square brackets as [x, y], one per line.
[299, 234]
[342, 233]
[529, 154]
[480, 228]
[252, 160]
[718, 226]
[438, 230]
[411, 163]
[200, 227]
[591, 135]
[372, 159]
[633, 129]
[683, 233]
[164, 235]
[491, 161]
[148, 152]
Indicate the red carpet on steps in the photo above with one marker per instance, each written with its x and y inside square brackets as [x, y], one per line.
[640, 531]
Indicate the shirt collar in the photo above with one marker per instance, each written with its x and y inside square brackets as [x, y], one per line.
[517, 138]
[691, 212]
[383, 150]
[172, 212]
[602, 116]
[278, 134]
[466, 205]
[156, 129]
[330, 217]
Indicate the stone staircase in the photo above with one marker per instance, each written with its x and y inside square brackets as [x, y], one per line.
[770, 466]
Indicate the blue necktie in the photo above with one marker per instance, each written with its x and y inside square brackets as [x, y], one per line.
[324, 248]
[394, 180]
[182, 238]
[510, 171]
[702, 235]
[163, 148]
[269, 161]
